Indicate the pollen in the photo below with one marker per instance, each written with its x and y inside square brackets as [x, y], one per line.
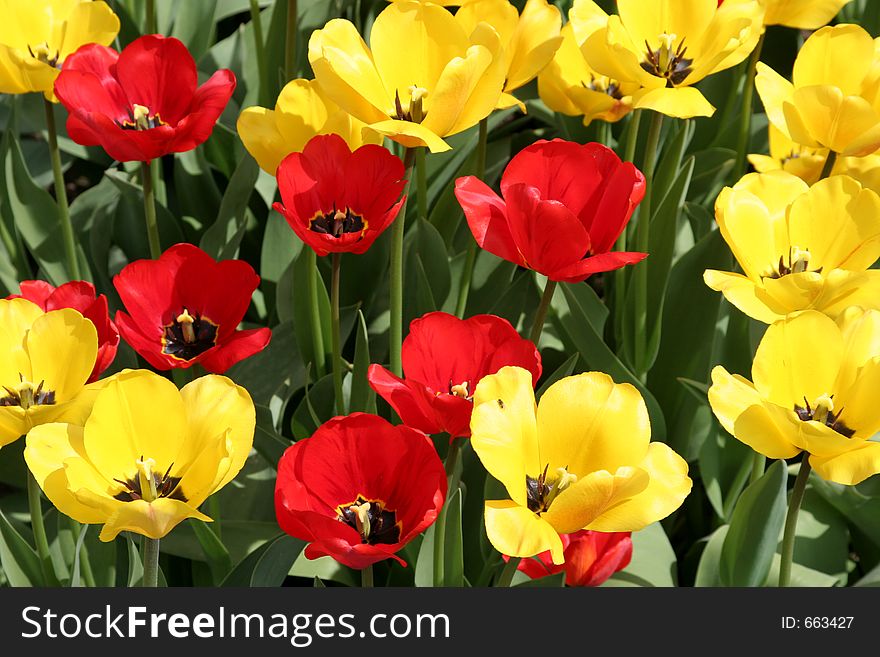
[147, 479]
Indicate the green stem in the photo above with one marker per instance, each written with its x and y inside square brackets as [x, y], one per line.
[290, 41]
[791, 518]
[632, 136]
[315, 315]
[467, 273]
[85, 564]
[829, 165]
[603, 133]
[257, 23]
[451, 463]
[422, 183]
[397, 228]
[334, 329]
[440, 525]
[151, 562]
[745, 126]
[640, 335]
[758, 463]
[367, 577]
[150, 210]
[61, 194]
[39, 528]
[622, 275]
[541, 314]
[506, 576]
[150, 22]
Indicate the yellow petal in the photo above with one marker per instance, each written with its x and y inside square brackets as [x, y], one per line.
[646, 21]
[87, 22]
[798, 357]
[258, 129]
[858, 402]
[344, 67]
[849, 468]
[16, 318]
[829, 293]
[503, 429]
[534, 43]
[62, 346]
[680, 102]
[667, 487]
[860, 329]
[611, 52]
[154, 519]
[802, 14]
[517, 532]
[13, 424]
[769, 430]
[579, 505]
[47, 449]
[588, 423]
[845, 124]
[774, 90]
[410, 134]
[215, 406]
[729, 396]
[138, 415]
[840, 56]
[744, 294]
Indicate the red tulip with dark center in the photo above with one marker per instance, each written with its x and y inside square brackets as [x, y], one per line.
[143, 102]
[561, 209]
[590, 558]
[185, 308]
[81, 296]
[359, 489]
[444, 358]
[336, 200]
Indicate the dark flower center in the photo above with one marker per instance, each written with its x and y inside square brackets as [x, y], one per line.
[140, 118]
[542, 490]
[604, 85]
[41, 52]
[26, 395]
[798, 262]
[371, 519]
[338, 223]
[822, 411]
[148, 485]
[668, 62]
[188, 336]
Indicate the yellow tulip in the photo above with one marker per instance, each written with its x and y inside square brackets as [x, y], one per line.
[423, 77]
[47, 359]
[301, 112]
[568, 85]
[833, 100]
[667, 46]
[37, 35]
[799, 247]
[807, 163]
[149, 454]
[529, 40]
[581, 459]
[802, 14]
[813, 389]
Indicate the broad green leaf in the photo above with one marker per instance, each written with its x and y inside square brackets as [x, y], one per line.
[653, 560]
[19, 560]
[222, 239]
[218, 557]
[274, 564]
[362, 397]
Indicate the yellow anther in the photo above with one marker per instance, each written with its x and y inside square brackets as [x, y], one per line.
[141, 116]
[822, 407]
[460, 390]
[26, 394]
[566, 479]
[185, 320]
[362, 518]
[147, 479]
[417, 96]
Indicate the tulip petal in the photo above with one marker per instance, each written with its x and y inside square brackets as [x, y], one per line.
[515, 531]
[774, 90]
[486, 214]
[16, 318]
[839, 56]
[208, 103]
[62, 346]
[679, 102]
[153, 520]
[87, 22]
[769, 430]
[645, 21]
[534, 43]
[803, 14]
[742, 293]
[846, 124]
[235, 348]
[849, 468]
[595, 264]
[857, 405]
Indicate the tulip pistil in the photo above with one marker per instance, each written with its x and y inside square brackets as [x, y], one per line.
[371, 519]
[798, 262]
[604, 85]
[668, 61]
[460, 390]
[42, 53]
[140, 118]
[822, 411]
[541, 491]
[416, 111]
[148, 485]
[188, 336]
[338, 223]
[27, 395]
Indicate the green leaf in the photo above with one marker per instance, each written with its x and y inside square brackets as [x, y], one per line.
[754, 530]
[653, 560]
[222, 239]
[362, 396]
[268, 565]
[426, 266]
[453, 553]
[708, 571]
[194, 25]
[301, 311]
[560, 372]
[19, 560]
[550, 581]
[218, 557]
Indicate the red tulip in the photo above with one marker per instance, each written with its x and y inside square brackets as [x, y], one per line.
[561, 209]
[143, 102]
[359, 489]
[590, 558]
[185, 307]
[81, 296]
[443, 360]
[336, 200]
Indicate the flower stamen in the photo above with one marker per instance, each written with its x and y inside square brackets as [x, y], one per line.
[667, 61]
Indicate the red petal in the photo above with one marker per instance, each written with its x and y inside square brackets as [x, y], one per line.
[373, 181]
[160, 74]
[547, 233]
[592, 557]
[582, 270]
[147, 346]
[207, 105]
[87, 81]
[409, 399]
[486, 214]
[560, 170]
[240, 345]
[36, 291]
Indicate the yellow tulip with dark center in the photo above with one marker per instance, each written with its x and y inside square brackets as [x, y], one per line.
[833, 100]
[667, 46]
[149, 454]
[799, 247]
[301, 112]
[581, 459]
[47, 359]
[807, 163]
[813, 389]
[36, 36]
[568, 84]
[529, 39]
[422, 78]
